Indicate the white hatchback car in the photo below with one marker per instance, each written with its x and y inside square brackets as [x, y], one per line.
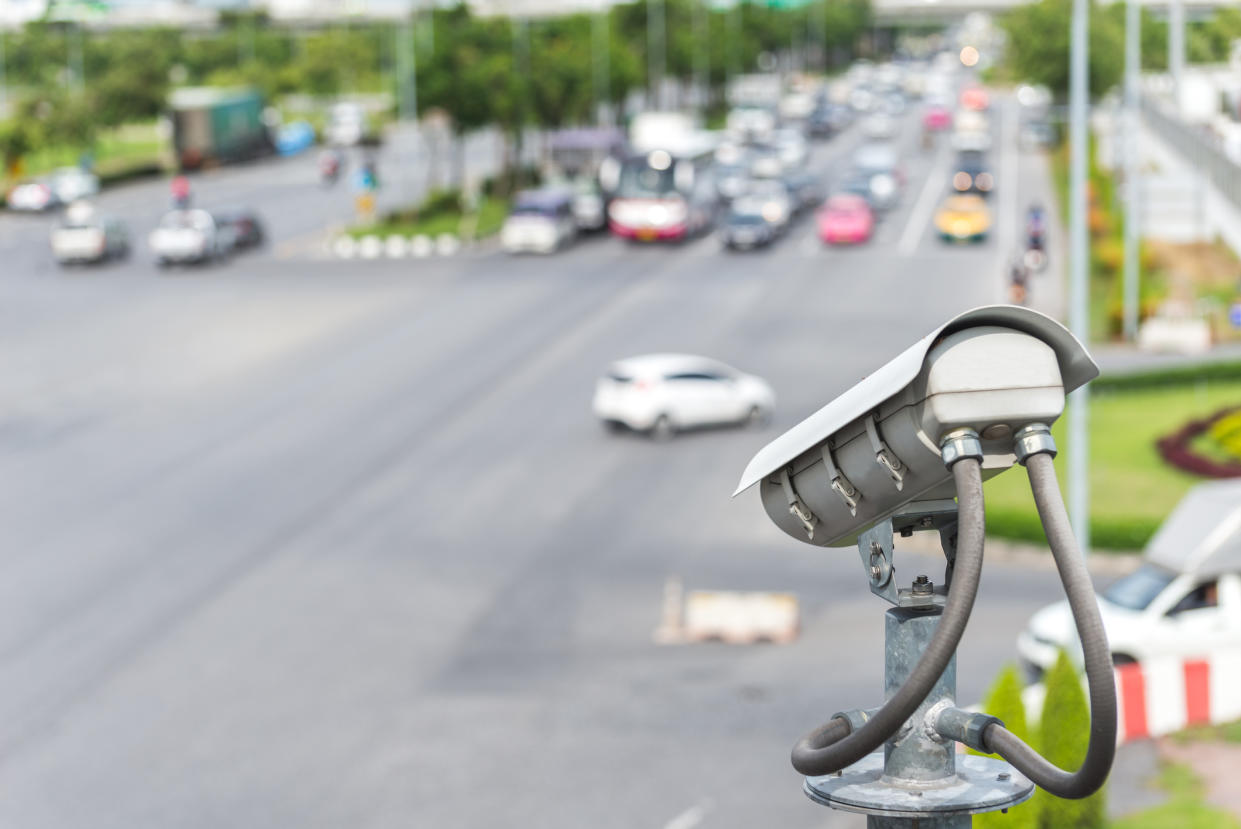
[1184, 601]
[664, 393]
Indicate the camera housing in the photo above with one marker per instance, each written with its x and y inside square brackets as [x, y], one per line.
[876, 448]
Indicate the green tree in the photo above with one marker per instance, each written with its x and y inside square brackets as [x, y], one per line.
[1003, 700]
[18, 137]
[1038, 45]
[1064, 732]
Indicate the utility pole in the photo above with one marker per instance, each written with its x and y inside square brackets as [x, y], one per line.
[76, 60]
[655, 50]
[732, 43]
[4, 93]
[1132, 124]
[1176, 48]
[1079, 317]
[601, 48]
[702, 58]
[407, 92]
[818, 33]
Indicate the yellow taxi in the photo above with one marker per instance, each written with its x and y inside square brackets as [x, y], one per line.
[963, 218]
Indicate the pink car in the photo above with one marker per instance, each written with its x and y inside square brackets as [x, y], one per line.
[845, 219]
[936, 118]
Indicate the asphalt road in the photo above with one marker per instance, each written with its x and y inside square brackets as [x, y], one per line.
[301, 542]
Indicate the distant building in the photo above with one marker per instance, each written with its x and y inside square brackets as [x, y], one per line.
[316, 11]
[535, 8]
[100, 14]
[17, 13]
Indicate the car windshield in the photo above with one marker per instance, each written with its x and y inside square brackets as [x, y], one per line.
[1138, 589]
[745, 219]
[181, 220]
[643, 181]
[541, 210]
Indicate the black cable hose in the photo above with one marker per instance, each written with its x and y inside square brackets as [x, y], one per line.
[1098, 658]
[832, 746]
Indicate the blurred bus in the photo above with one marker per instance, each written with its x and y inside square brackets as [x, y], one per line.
[664, 189]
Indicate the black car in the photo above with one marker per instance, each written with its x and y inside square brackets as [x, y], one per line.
[858, 183]
[244, 227]
[972, 174]
[805, 189]
[745, 230]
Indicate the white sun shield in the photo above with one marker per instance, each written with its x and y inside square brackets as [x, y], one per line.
[875, 448]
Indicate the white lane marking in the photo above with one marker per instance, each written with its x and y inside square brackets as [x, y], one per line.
[920, 216]
[691, 817]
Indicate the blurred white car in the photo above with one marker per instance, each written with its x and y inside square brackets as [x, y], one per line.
[31, 197]
[541, 221]
[879, 126]
[792, 148]
[72, 183]
[770, 198]
[189, 236]
[85, 236]
[1184, 601]
[664, 393]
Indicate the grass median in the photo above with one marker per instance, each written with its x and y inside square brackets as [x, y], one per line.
[1132, 489]
[491, 214]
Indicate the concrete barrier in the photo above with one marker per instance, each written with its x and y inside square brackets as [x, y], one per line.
[1162, 696]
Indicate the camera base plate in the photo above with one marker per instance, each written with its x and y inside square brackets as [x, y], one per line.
[981, 784]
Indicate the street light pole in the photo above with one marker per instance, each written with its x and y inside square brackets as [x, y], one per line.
[655, 50]
[1176, 47]
[1132, 123]
[1079, 317]
[602, 67]
[701, 56]
[407, 91]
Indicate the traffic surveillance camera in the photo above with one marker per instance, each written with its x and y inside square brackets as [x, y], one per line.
[878, 447]
[907, 449]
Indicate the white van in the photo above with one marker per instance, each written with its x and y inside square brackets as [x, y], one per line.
[541, 221]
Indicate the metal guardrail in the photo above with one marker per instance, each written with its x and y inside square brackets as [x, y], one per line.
[1196, 147]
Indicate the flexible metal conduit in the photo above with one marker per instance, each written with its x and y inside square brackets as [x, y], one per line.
[833, 746]
[1099, 678]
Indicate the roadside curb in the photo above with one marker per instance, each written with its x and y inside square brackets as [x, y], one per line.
[395, 246]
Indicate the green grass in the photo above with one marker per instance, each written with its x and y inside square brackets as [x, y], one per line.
[1132, 489]
[117, 150]
[1227, 732]
[1184, 809]
[491, 214]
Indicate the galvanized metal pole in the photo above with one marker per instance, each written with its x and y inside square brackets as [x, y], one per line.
[4, 93]
[602, 71]
[701, 56]
[1132, 125]
[1176, 47]
[407, 92]
[655, 50]
[1079, 263]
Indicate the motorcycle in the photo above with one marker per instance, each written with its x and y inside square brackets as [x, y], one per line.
[330, 168]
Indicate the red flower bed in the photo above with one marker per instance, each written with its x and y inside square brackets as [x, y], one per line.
[1176, 450]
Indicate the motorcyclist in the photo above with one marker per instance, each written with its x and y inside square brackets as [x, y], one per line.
[1019, 277]
[330, 164]
[1036, 227]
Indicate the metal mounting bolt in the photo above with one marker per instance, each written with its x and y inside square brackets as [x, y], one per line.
[1002, 776]
[875, 572]
[922, 586]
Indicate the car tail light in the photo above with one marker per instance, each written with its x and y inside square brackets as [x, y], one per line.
[983, 181]
[961, 181]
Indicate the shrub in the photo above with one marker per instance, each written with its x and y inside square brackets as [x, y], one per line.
[1064, 731]
[1004, 701]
